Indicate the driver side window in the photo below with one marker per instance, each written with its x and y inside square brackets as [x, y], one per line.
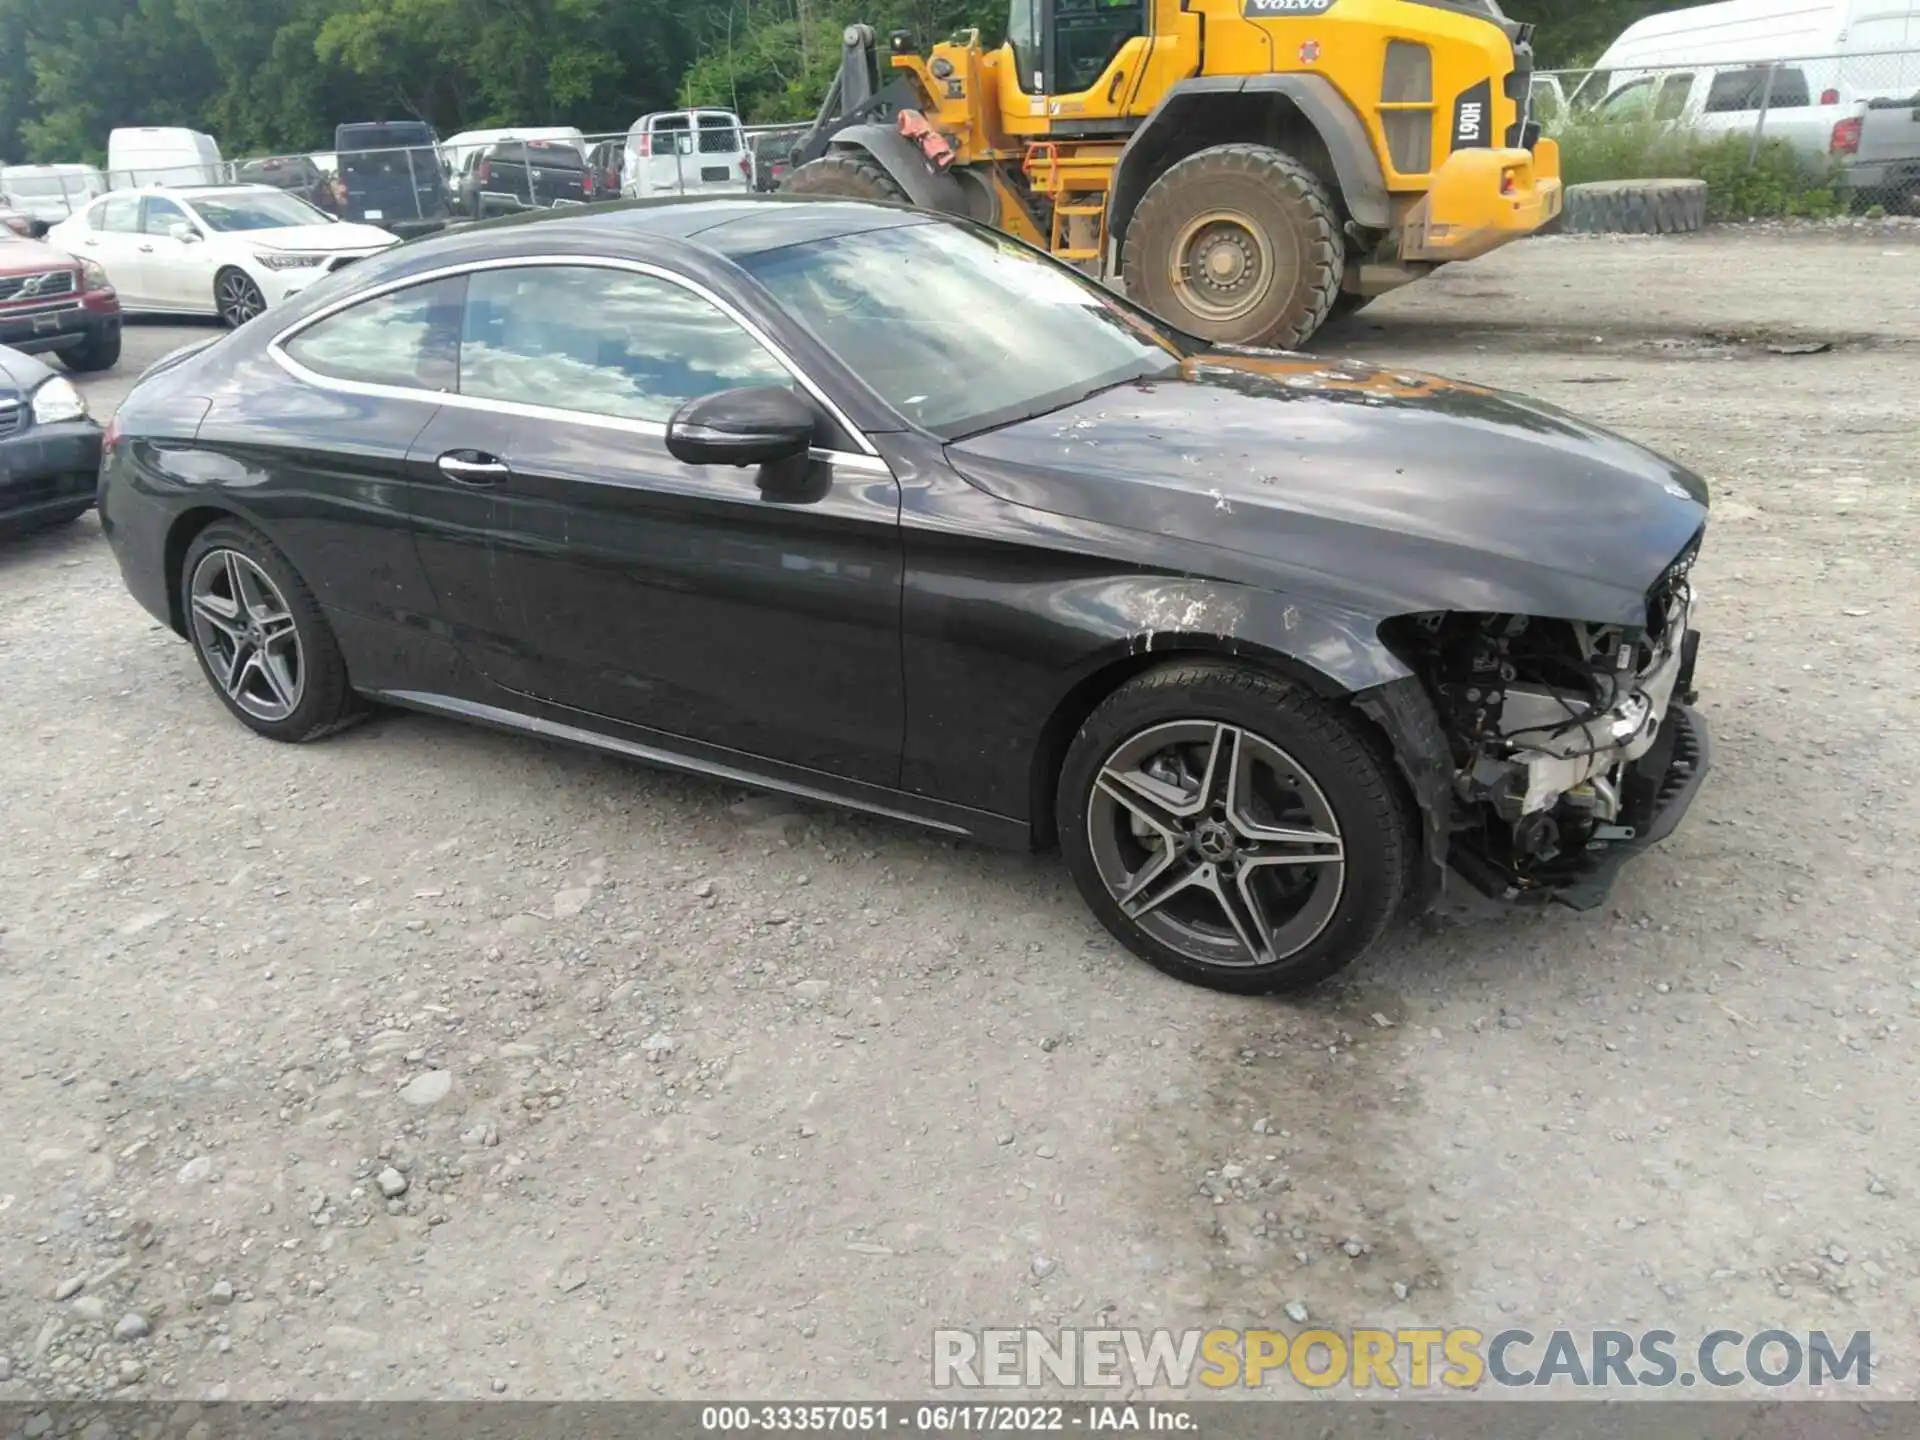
[603, 341]
[1023, 34]
[160, 216]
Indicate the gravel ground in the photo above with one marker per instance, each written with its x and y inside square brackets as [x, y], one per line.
[431, 1062]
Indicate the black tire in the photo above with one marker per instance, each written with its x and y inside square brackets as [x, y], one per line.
[236, 299]
[851, 174]
[326, 700]
[1636, 207]
[1277, 222]
[101, 352]
[1345, 769]
[1347, 303]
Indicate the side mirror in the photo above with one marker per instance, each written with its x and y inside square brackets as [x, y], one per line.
[185, 234]
[759, 426]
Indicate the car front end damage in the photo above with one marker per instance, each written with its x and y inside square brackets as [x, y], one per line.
[1568, 747]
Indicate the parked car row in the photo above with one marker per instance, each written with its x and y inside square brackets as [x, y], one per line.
[399, 175]
[188, 233]
[227, 250]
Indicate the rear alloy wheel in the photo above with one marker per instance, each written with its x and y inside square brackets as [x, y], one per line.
[237, 298]
[1237, 244]
[1233, 830]
[260, 637]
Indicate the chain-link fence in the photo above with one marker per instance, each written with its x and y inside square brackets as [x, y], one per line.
[1843, 126]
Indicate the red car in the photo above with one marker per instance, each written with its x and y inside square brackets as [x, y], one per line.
[20, 223]
[50, 301]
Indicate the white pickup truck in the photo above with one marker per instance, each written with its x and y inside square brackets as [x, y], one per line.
[1820, 107]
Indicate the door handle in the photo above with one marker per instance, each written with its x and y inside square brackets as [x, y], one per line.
[473, 467]
[1113, 90]
[146, 249]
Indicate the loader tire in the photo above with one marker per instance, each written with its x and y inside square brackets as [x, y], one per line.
[1238, 244]
[850, 174]
[1636, 207]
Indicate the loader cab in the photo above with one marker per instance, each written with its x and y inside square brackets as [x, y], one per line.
[1063, 47]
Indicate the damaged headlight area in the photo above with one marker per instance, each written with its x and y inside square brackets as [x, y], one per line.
[1572, 745]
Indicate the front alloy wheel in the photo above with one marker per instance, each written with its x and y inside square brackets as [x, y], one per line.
[237, 298]
[1234, 829]
[1216, 842]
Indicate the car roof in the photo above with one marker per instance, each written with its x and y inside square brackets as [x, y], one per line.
[734, 226]
[703, 237]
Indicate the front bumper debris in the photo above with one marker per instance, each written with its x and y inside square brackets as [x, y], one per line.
[1660, 788]
[1480, 200]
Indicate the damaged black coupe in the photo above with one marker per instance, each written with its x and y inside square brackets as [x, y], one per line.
[885, 510]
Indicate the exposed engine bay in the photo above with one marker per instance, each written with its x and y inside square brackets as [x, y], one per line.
[1565, 737]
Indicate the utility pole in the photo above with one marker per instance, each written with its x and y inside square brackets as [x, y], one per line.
[806, 61]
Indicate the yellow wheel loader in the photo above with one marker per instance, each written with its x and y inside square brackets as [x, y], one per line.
[1248, 168]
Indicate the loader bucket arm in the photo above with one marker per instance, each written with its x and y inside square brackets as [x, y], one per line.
[855, 97]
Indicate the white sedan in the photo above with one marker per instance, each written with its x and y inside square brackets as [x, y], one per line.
[228, 250]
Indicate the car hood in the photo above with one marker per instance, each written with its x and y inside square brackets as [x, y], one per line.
[21, 373]
[21, 256]
[322, 238]
[1386, 490]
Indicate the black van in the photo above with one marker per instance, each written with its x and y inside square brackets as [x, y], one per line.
[394, 176]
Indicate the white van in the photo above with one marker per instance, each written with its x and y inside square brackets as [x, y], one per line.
[49, 192]
[1857, 48]
[1810, 65]
[162, 155]
[687, 152]
[469, 143]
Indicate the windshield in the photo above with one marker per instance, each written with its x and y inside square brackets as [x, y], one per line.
[256, 212]
[1023, 34]
[960, 330]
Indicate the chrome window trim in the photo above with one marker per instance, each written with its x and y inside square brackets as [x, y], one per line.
[276, 347]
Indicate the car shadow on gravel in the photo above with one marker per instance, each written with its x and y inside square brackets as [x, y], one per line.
[1440, 333]
[67, 544]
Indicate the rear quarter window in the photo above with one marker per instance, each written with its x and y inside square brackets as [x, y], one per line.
[409, 339]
